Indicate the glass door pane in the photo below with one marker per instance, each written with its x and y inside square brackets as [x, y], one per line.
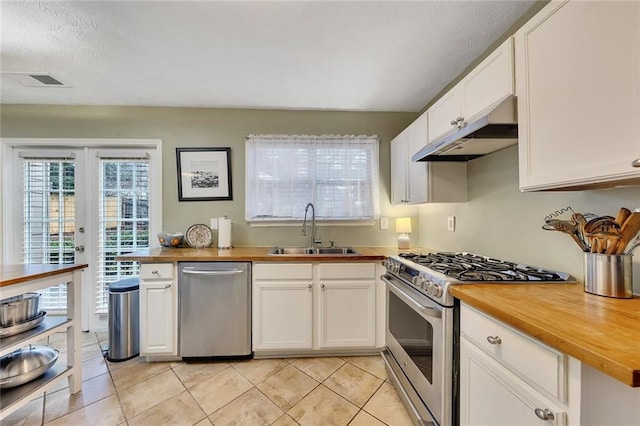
[123, 221]
[49, 219]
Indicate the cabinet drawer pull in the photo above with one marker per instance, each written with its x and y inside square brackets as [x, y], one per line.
[635, 163]
[544, 414]
[154, 272]
[494, 340]
[167, 285]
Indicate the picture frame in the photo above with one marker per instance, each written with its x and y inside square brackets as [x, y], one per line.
[204, 174]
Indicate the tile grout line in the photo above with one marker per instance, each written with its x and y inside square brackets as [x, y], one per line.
[206, 416]
[368, 399]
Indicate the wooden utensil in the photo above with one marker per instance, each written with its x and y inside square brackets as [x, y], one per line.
[622, 216]
[603, 232]
[628, 231]
[580, 220]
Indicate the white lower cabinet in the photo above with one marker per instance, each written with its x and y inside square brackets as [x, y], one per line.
[312, 306]
[491, 395]
[510, 378]
[282, 306]
[347, 305]
[158, 309]
[507, 378]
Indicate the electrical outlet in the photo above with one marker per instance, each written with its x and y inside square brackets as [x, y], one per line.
[451, 223]
[384, 222]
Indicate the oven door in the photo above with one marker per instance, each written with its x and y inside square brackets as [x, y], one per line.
[419, 336]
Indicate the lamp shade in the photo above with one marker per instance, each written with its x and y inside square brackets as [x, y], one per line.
[403, 225]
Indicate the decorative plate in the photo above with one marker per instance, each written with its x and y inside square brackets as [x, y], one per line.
[199, 236]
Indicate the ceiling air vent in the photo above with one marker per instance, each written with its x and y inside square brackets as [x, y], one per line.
[35, 79]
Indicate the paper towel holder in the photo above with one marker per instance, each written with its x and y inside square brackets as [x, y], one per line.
[224, 233]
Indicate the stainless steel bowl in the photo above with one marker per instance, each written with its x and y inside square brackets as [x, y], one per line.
[25, 365]
[18, 309]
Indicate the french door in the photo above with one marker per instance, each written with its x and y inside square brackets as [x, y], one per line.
[83, 205]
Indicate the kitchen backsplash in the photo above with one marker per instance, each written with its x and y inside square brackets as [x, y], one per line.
[500, 221]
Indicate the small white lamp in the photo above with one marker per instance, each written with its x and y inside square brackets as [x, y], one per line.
[403, 227]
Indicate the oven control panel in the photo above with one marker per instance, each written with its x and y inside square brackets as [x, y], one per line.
[430, 284]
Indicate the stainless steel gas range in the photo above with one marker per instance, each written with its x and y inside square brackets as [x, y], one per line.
[422, 324]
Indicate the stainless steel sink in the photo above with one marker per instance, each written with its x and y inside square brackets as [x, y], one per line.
[313, 251]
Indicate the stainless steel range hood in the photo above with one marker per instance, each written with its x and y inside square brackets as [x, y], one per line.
[494, 131]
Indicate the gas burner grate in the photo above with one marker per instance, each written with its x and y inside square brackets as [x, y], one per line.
[473, 267]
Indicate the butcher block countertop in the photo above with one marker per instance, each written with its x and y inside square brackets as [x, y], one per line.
[599, 331]
[252, 254]
[18, 274]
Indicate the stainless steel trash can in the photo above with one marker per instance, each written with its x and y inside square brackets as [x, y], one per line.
[124, 320]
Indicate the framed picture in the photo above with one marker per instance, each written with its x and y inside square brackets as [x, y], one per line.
[204, 174]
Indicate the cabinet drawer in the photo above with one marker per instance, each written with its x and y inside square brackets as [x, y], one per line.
[346, 271]
[156, 271]
[532, 360]
[282, 271]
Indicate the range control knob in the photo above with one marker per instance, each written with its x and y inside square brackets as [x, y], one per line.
[436, 290]
[385, 264]
[425, 284]
[428, 286]
[418, 281]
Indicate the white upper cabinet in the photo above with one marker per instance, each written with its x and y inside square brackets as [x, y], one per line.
[578, 88]
[409, 179]
[423, 182]
[482, 89]
[444, 114]
[489, 83]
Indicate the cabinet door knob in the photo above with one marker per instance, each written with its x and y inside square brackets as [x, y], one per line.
[544, 414]
[167, 285]
[635, 163]
[494, 340]
[321, 285]
[309, 286]
[454, 122]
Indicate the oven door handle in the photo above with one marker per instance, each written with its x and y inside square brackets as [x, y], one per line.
[425, 310]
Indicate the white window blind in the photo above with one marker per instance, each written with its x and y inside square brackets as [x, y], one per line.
[49, 219]
[123, 221]
[338, 174]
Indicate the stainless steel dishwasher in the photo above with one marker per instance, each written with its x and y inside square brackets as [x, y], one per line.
[215, 309]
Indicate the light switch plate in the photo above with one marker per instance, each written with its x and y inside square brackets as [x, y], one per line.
[213, 223]
[384, 222]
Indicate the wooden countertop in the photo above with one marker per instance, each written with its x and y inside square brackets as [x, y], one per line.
[253, 254]
[17, 274]
[599, 331]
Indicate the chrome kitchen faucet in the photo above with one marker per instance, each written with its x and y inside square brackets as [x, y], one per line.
[314, 240]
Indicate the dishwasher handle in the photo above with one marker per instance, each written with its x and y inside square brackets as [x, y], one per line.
[218, 273]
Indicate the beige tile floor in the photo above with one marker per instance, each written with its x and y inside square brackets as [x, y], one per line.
[327, 391]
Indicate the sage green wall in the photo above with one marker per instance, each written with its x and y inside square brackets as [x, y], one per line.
[207, 127]
[500, 221]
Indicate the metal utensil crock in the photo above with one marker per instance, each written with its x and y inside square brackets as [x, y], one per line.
[608, 275]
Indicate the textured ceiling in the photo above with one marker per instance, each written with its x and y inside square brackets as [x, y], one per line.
[380, 56]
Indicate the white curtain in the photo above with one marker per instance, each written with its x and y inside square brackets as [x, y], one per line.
[338, 174]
